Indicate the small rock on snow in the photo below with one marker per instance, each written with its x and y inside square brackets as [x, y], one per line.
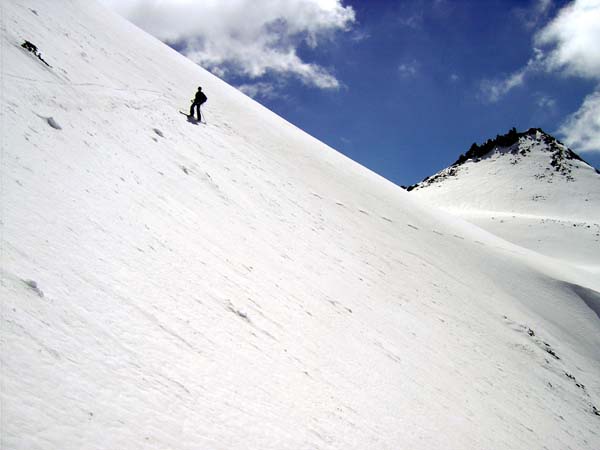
[53, 123]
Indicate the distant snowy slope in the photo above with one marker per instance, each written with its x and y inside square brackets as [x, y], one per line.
[240, 285]
[527, 188]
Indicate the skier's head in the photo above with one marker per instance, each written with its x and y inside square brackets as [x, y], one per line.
[199, 88]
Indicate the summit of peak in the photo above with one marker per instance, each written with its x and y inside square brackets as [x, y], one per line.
[528, 172]
[545, 155]
[514, 142]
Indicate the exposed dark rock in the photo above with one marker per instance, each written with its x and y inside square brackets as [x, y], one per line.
[560, 155]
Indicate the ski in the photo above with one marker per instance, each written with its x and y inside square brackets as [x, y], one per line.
[191, 119]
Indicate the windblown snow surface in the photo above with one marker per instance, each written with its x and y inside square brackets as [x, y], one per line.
[240, 285]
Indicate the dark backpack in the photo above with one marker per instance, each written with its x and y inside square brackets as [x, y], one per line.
[200, 98]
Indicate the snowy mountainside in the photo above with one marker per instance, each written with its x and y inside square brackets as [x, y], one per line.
[240, 285]
[527, 188]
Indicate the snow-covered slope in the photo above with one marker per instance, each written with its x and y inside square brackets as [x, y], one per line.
[240, 285]
[529, 189]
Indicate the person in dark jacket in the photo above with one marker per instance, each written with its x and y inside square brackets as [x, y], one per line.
[198, 100]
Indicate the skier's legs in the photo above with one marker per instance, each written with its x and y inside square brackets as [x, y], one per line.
[192, 109]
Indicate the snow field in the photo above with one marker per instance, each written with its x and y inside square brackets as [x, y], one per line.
[241, 285]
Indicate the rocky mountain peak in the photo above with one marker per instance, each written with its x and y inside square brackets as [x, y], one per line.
[517, 146]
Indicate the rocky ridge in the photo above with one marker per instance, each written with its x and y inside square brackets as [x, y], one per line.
[517, 146]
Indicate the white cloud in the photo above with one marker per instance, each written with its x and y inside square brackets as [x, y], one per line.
[408, 70]
[494, 90]
[582, 129]
[568, 44]
[574, 40]
[542, 6]
[261, 90]
[247, 37]
[545, 102]
[360, 35]
[537, 11]
[414, 21]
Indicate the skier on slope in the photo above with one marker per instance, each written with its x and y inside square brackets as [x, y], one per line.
[198, 100]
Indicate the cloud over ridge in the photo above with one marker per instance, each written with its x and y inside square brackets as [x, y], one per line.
[245, 37]
[582, 129]
[568, 45]
[573, 38]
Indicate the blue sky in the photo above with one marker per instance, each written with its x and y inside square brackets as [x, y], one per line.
[403, 87]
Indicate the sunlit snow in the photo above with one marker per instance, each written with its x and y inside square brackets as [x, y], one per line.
[535, 193]
[240, 285]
